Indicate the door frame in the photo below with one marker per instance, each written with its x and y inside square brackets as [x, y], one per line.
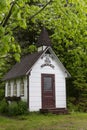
[53, 87]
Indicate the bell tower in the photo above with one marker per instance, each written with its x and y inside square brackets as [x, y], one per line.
[43, 40]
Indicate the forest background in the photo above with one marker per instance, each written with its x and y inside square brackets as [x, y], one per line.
[66, 21]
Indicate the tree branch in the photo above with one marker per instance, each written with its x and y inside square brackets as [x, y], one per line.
[9, 14]
[34, 14]
[40, 10]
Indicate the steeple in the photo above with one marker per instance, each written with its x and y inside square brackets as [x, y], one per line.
[43, 40]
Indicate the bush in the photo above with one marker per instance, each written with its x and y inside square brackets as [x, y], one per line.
[77, 105]
[82, 105]
[3, 107]
[13, 109]
[1, 94]
[72, 107]
[22, 107]
[17, 108]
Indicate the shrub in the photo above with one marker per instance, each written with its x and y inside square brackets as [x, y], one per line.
[3, 106]
[1, 94]
[82, 105]
[13, 109]
[72, 107]
[17, 108]
[22, 107]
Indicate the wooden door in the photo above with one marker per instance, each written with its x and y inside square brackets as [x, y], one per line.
[48, 91]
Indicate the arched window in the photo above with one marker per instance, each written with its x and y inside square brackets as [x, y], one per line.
[22, 87]
[15, 89]
[9, 89]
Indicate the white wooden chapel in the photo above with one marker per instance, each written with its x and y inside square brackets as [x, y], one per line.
[39, 79]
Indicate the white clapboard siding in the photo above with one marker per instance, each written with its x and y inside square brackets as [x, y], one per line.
[35, 97]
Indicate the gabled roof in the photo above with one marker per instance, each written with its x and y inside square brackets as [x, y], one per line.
[43, 39]
[22, 67]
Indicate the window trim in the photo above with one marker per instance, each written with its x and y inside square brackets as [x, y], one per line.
[22, 88]
[9, 89]
[15, 89]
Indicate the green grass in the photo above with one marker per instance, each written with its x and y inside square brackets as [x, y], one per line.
[35, 121]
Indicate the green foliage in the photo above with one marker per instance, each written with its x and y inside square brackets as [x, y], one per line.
[13, 109]
[77, 94]
[82, 106]
[22, 108]
[2, 4]
[77, 106]
[17, 108]
[3, 107]
[67, 26]
[2, 91]
[32, 48]
[72, 107]
[2, 94]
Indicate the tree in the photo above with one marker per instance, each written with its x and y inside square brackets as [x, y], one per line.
[14, 15]
[66, 21]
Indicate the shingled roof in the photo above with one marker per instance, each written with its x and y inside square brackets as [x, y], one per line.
[21, 68]
[43, 39]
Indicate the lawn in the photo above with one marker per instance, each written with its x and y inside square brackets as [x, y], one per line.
[35, 121]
